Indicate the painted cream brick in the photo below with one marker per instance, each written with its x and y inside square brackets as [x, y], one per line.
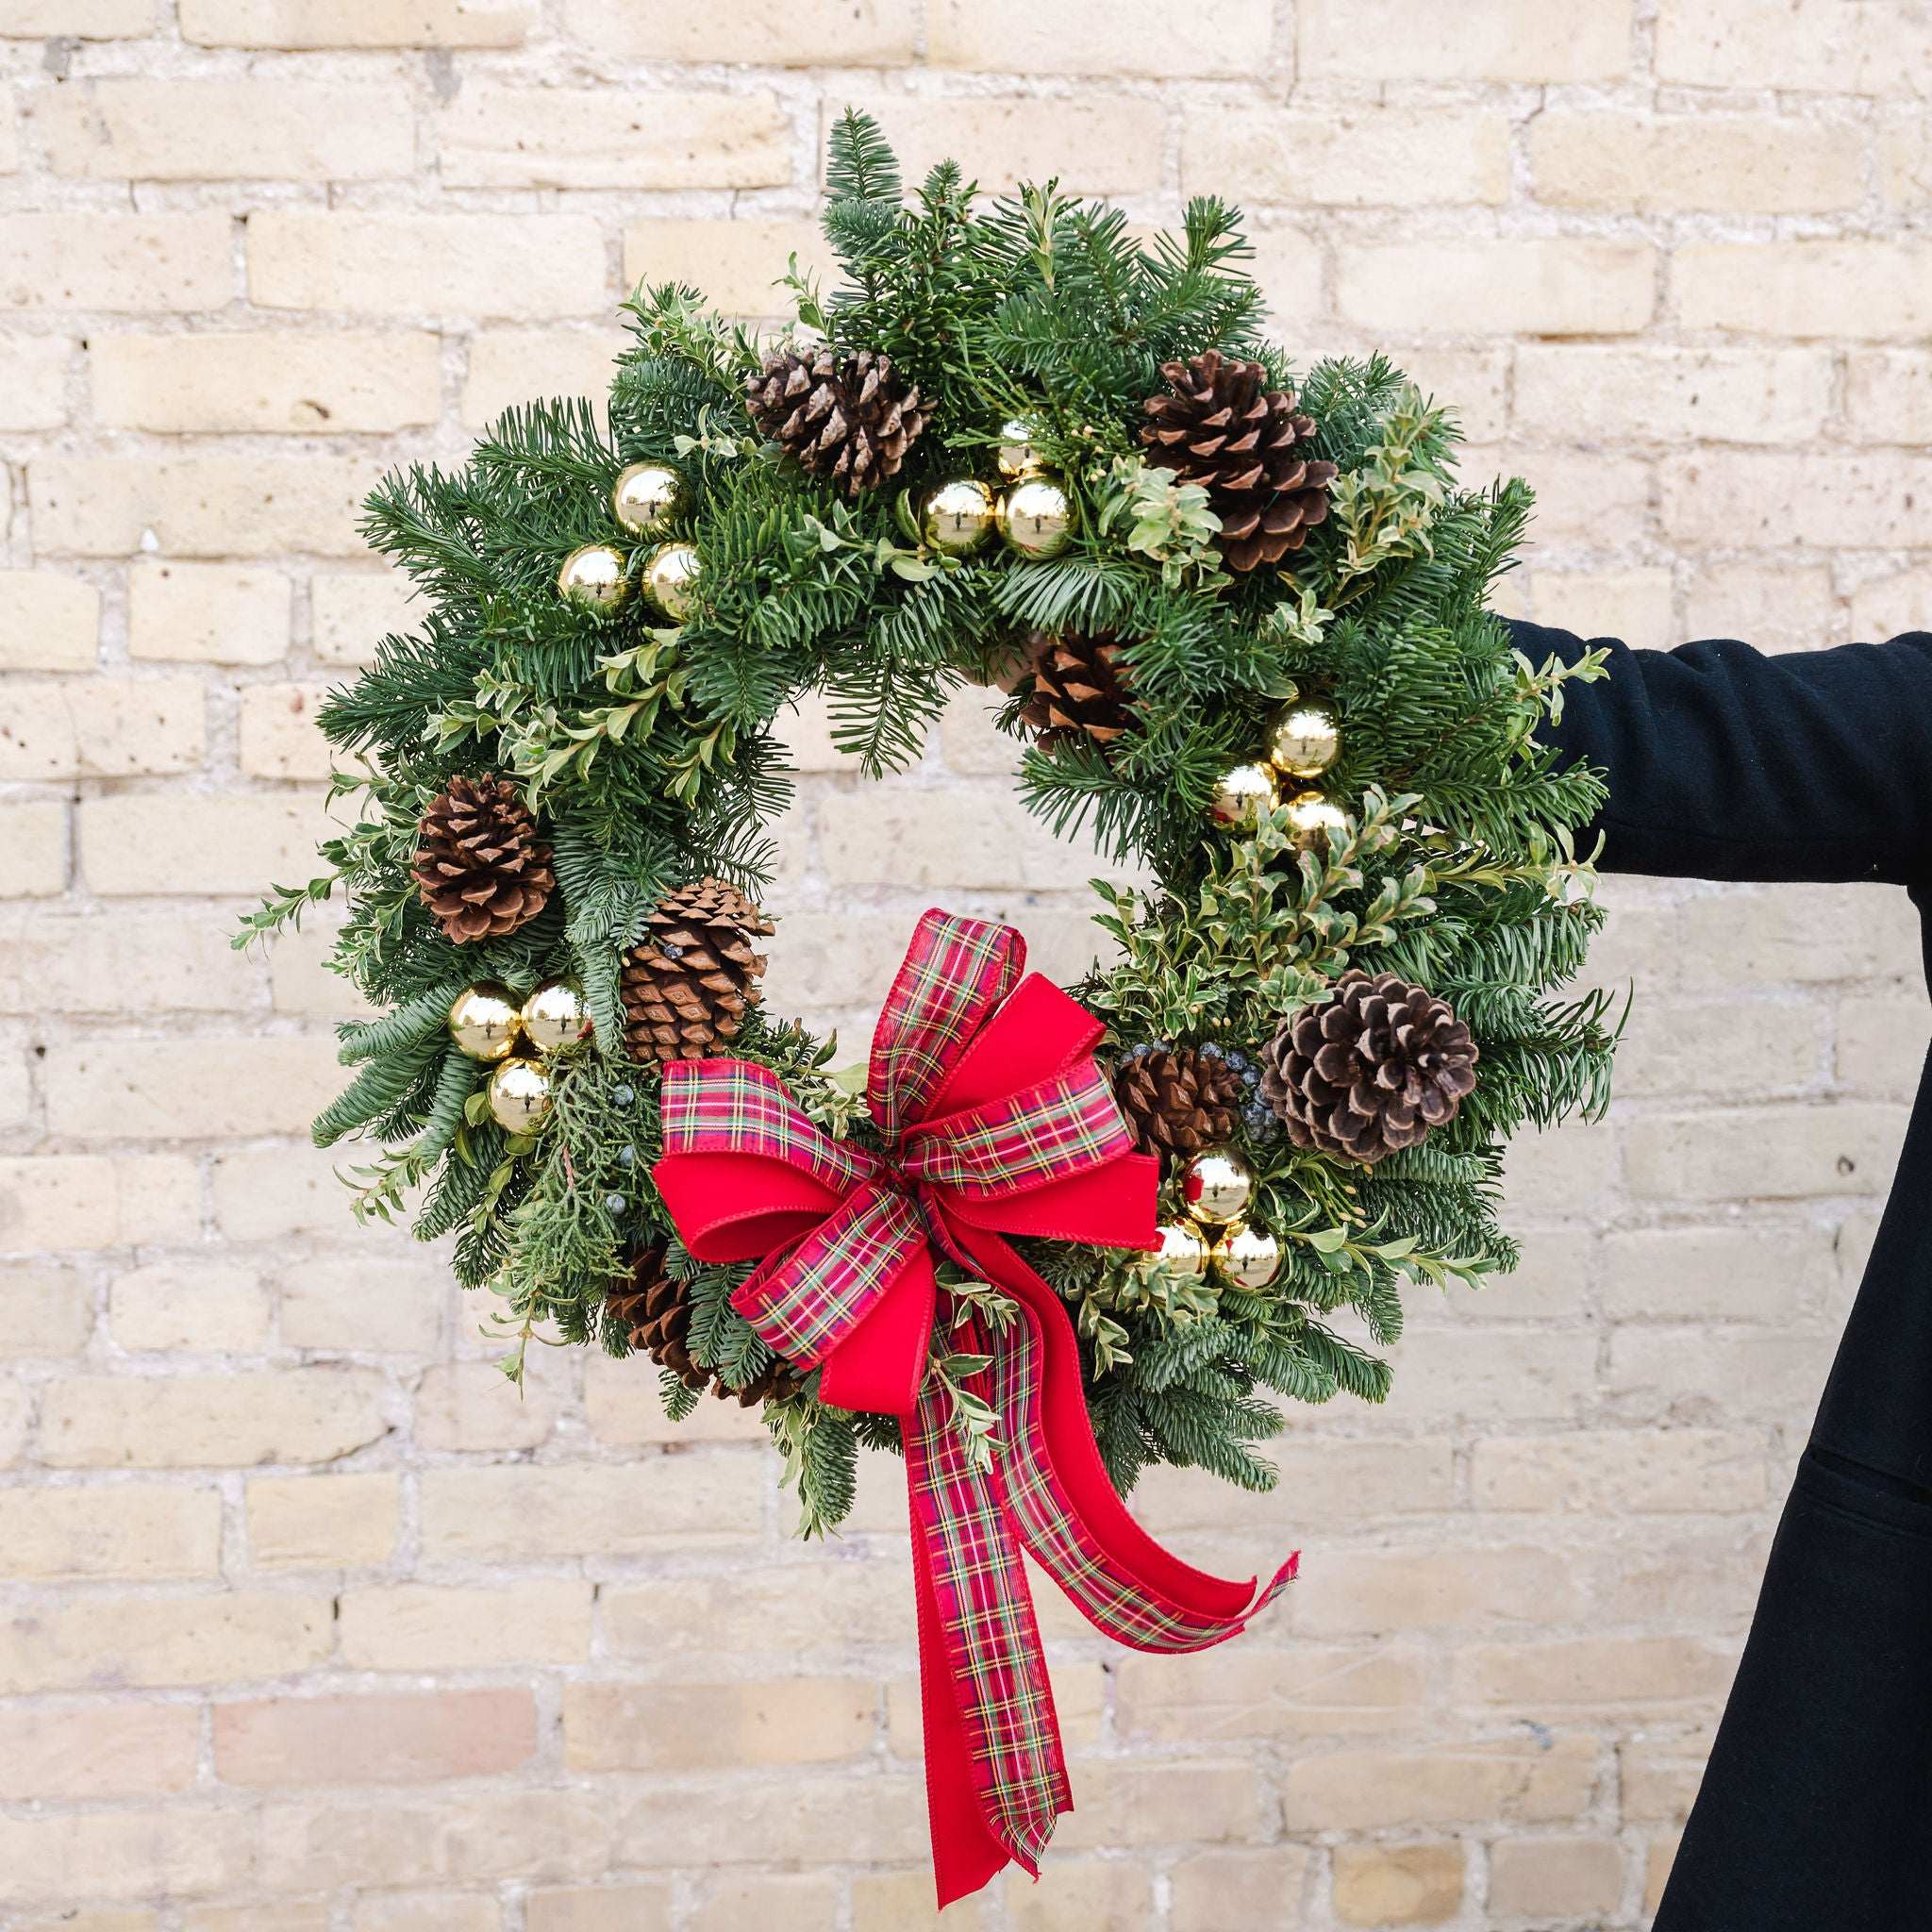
[117, 729]
[509, 366]
[1634, 605]
[433, 1911]
[1249, 1889]
[1894, 604]
[1520, 1780]
[1669, 1046]
[1772, 1152]
[97, 1751]
[218, 613]
[736, 263]
[1672, 1374]
[259, 1192]
[33, 849]
[687, 1726]
[1726, 1274]
[1596, 1673]
[1766, 501]
[321, 1522]
[625, 1407]
[472, 1405]
[188, 1421]
[183, 1852]
[620, 1907]
[297, 1915]
[103, 1642]
[173, 845]
[892, 1902]
[1288, 267]
[48, 622]
[1881, 1044]
[1377, 40]
[76, 1201]
[1079, 1699]
[118, 262]
[426, 1626]
[877, 1819]
[84, 20]
[353, 611]
[355, 23]
[202, 1306]
[799, 1605]
[1869, 290]
[785, 33]
[706, 1498]
[188, 1088]
[1904, 160]
[1379, 1479]
[273, 381]
[1397, 1885]
[1111, 147]
[1225, 39]
[45, 1312]
[1676, 163]
[1162, 1803]
[33, 381]
[207, 130]
[1889, 395]
[208, 506]
[375, 1740]
[511, 266]
[1312, 1691]
[1550, 287]
[55, 959]
[1854, 47]
[1776, 609]
[1366, 157]
[384, 1304]
[1354, 1592]
[556, 138]
[926, 839]
[279, 736]
[1761, 936]
[133, 1534]
[1619, 1472]
[1084, 1895]
[1569, 390]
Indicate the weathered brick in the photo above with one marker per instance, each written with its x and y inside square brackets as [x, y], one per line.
[386, 1304]
[1323, 1480]
[1869, 290]
[1227, 39]
[1354, 1593]
[686, 1726]
[621, 1908]
[203, 1305]
[1312, 1691]
[55, 1535]
[1659, 1857]
[353, 612]
[1671, 163]
[438, 1911]
[1634, 605]
[735, 262]
[105, 1642]
[1378, 41]
[1889, 395]
[33, 849]
[185, 1422]
[1851, 46]
[1175, 1801]
[1518, 1780]
[279, 737]
[1619, 1470]
[84, 20]
[1365, 156]
[1672, 395]
[1255, 1889]
[116, 728]
[1661, 1772]
[321, 1522]
[624, 1405]
[58, 959]
[188, 1089]
[794, 1902]
[116, 263]
[1777, 610]
[1477, 1373]
[184, 1851]
[45, 1312]
[927, 838]
[436, 264]
[47, 622]
[1904, 160]
[1881, 1044]
[1676, 1375]
[1803, 933]
[206, 131]
[416, 1627]
[1549, 286]
[1397, 1885]
[474, 1406]
[508, 366]
[355, 23]
[780, 1609]
[1596, 1674]
[374, 1739]
[218, 613]
[65, 1200]
[173, 845]
[1893, 604]
[785, 33]
[263, 1191]
[97, 1751]
[1780, 1152]
[289, 1915]
[1084, 1895]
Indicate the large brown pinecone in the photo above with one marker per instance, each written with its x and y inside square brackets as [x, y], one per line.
[478, 863]
[1078, 687]
[1370, 1069]
[845, 417]
[1221, 428]
[656, 1308]
[687, 984]
[1178, 1100]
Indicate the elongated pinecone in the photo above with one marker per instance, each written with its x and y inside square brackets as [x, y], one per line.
[478, 863]
[687, 984]
[1078, 687]
[1221, 428]
[656, 1307]
[845, 417]
[1178, 1100]
[1371, 1068]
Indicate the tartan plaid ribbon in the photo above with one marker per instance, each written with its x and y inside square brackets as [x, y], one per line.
[995, 1121]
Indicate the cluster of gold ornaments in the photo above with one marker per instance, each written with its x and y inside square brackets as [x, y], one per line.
[488, 1024]
[1217, 1184]
[597, 576]
[1304, 739]
[1033, 515]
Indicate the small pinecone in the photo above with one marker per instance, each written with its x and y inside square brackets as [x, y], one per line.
[1078, 687]
[687, 984]
[1371, 1068]
[656, 1307]
[1220, 429]
[1178, 1102]
[843, 417]
[478, 865]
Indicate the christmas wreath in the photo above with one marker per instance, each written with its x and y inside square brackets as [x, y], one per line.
[1240, 618]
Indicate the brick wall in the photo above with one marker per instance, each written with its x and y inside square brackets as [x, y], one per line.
[309, 1624]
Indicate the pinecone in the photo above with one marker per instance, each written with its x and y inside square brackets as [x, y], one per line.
[1178, 1101]
[1078, 687]
[845, 417]
[1220, 429]
[478, 865]
[687, 984]
[656, 1308]
[1371, 1068]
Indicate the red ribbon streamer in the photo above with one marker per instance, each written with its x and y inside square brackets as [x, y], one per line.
[996, 1122]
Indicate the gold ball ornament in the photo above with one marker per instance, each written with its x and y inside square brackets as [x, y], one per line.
[1241, 796]
[1184, 1250]
[1311, 817]
[1037, 518]
[1249, 1257]
[519, 1095]
[645, 497]
[1017, 454]
[668, 579]
[483, 1020]
[555, 1015]
[1217, 1185]
[595, 579]
[958, 517]
[1304, 740]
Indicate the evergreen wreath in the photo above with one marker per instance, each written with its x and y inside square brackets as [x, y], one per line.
[1206, 584]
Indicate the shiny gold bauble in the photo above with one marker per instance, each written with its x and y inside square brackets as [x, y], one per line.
[555, 1015]
[1217, 1185]
[519, 1095]
[1249, 1257]
[1311, 817]
[593, 578]
[1017, 454]
[484, 1021]
[1037, 518]
[1304, 740]
[645, 497]
[1184, 1249]
[668, 578]
[958, 517]
[1241, 796]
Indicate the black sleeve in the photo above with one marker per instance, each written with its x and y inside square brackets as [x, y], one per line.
[1725, 765]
